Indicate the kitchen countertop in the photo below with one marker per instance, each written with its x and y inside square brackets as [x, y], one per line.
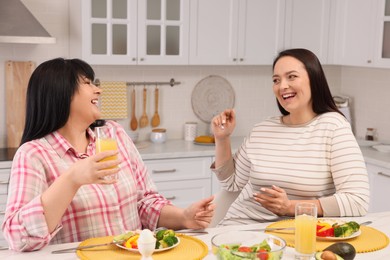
[179, 149]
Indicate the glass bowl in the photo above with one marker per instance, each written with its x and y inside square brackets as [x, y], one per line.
[226, 245]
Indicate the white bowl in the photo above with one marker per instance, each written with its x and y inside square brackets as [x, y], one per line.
[247, 238]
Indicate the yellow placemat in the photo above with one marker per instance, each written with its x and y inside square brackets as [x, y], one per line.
[369, 240]
[190, 248]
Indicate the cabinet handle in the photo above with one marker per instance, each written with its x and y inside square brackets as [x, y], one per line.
[2, 212]
[163, 171]
[171, 198]
[383, 174]
[141, 59]
[241, 59]
[369, 61]
[234, 59]
[3, 182]
[134, 59]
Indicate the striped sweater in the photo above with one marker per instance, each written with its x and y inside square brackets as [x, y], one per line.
[317, 160]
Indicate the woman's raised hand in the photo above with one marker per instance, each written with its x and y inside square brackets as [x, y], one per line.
[223, 124]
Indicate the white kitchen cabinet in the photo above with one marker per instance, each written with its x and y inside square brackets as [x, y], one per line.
[379, 188]
[355, 34]
[182, 180]
[382, 38]
[5, 170]
[129, 31]
[230, 32]
[307, 26]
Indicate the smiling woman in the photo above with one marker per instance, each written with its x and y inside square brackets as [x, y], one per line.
[58, 191]
[308, 154]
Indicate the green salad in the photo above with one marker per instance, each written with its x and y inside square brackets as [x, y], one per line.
[260, 251]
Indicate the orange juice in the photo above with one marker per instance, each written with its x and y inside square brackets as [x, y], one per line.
[305, 234]
[106, 145]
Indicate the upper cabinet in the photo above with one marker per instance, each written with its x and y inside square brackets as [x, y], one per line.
[307, 26]
[129, 31]
[382, 47]
[230, 32]
[355, 36]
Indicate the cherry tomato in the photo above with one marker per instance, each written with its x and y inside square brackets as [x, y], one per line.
[244, 249]
[262, 254]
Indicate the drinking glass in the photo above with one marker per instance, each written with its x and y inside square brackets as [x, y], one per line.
[305, 230]
[105, 141]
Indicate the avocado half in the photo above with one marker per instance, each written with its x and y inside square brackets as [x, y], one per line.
[342, 249]
[318, 256]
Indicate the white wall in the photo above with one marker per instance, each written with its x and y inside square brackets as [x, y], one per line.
[252, 84]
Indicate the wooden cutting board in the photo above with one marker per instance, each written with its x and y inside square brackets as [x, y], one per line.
[17, 75]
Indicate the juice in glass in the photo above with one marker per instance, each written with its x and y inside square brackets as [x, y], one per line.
[106, 145]
[305, 234]
[105, 141]
[305, 230]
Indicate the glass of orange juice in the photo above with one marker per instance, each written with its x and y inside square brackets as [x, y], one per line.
[305, 230]
[105, 141]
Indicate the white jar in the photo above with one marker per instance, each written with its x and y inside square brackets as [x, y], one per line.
[158, 135]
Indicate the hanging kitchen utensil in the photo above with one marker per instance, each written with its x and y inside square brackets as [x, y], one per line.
[143, 121]
[133, 122]
[211, 96]
[156, 117]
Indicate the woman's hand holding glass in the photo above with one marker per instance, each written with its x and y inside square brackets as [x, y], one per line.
[93, 170]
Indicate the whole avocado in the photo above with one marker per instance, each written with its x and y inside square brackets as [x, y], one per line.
[343, 249]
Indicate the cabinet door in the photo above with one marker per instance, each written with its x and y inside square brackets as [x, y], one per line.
[163, 28]
[260, 31]
[307, 26]
[213, 29]
[382, 38]
[354, 44]
[109, 31]
[379, 188]
[184, 193]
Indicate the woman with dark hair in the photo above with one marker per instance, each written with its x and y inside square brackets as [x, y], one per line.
[58, 191]
[309, 154]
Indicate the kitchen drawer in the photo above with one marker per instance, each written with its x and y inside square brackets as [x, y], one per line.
[179, 169]
[184, 193]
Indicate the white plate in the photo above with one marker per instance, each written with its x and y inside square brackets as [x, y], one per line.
[356, 234]
[340, 222]
[156, 250]
[211, 96]
[382, 148]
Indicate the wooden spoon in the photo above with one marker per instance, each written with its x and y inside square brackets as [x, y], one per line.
[133, 122]
[156, 118]
[143, 121]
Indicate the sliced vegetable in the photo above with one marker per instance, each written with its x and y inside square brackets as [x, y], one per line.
[347, 229]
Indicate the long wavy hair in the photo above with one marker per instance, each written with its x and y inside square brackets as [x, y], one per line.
[322, 100]
[49, 94]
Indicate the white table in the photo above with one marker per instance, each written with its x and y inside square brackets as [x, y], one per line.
[381, 221]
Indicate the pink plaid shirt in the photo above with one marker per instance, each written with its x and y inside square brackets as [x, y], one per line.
[96, 210]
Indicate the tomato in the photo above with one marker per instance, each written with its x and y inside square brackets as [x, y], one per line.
[262, 254]
[326, 232]
[244, 249]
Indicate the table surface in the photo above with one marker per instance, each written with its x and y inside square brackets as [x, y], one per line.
[380, 221]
